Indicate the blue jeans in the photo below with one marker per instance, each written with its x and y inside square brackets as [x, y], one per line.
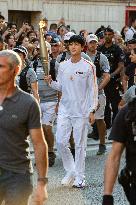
[15, 188]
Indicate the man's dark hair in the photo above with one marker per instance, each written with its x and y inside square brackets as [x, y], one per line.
[2, 17]
[11, 24]
[30, 33]
[78, 39]
[7, 37]
[100, 29]
[108, 29]
[53, 26]
[35, 39]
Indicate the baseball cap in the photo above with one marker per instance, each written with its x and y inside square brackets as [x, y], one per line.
[91, 37]
[68, 35]
[130, 94]
[55, 41]
[51, 33]
[21, 49]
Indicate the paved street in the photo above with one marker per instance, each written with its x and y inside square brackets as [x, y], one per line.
[92, 194]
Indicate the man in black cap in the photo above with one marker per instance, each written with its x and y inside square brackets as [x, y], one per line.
[27, 79]
[48, 98]
[115, 57]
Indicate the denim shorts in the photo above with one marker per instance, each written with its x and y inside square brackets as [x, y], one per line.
[15, 188]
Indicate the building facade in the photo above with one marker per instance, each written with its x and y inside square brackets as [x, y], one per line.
[79, 14]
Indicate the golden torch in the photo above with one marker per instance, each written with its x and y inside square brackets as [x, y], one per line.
[43, 49]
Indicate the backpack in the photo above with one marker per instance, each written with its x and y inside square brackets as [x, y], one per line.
[112, 55]
[63, 57]
[97, 64]
[23, 81]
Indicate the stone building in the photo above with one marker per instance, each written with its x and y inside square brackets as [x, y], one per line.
[79, 14]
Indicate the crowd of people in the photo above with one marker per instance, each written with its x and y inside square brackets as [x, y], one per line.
[88, 75]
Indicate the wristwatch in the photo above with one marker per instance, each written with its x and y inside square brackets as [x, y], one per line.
[43, 179]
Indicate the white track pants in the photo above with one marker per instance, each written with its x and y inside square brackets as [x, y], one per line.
[80, 130]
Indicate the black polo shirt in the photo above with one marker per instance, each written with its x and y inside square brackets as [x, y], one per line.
[114, 54]
[18, 114]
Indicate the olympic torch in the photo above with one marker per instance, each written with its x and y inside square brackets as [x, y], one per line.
[43, 49]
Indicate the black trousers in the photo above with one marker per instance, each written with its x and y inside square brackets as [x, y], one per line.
[133, 195]
[112, 100]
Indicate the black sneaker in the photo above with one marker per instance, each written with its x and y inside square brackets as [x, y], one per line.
[52, 157]
[93, 136]
[102, 149]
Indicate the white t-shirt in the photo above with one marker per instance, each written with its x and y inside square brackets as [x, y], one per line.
[78, 84]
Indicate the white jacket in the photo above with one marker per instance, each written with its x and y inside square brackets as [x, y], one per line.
[78, 84]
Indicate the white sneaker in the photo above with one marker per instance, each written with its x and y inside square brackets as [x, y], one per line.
[68, 179]
[79, 184]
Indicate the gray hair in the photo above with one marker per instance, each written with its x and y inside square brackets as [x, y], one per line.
[13, 58]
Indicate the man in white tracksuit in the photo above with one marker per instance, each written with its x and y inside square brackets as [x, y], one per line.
[77, 81]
